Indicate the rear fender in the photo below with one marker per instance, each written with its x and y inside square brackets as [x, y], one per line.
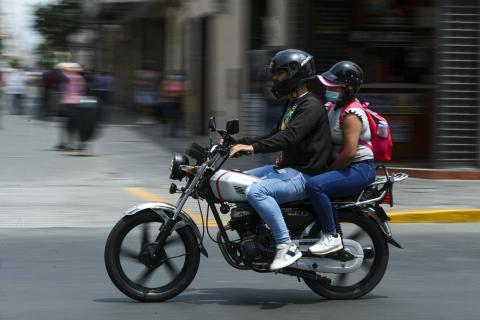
[378, 215]
[166, 211]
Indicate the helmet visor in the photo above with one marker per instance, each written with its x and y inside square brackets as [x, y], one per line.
[328, 83]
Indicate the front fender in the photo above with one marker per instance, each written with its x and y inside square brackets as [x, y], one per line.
[166, 211]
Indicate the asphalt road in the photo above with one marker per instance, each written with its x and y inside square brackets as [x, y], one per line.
[57, 210]
[58, 273]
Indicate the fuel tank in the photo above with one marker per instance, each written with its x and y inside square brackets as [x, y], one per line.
[231, 186]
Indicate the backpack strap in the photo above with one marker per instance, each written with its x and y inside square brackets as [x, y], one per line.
[329, 106]
[354, 104]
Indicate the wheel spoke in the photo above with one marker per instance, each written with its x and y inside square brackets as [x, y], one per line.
[145, 235]
[129, 254]
[171, 268]
[144, 276]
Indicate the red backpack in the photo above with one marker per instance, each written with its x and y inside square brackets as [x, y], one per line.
[381, 137]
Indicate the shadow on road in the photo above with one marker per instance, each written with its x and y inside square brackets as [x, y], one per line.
[266, 299]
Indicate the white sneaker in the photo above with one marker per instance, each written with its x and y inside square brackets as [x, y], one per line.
[287, 253]
[328, 243]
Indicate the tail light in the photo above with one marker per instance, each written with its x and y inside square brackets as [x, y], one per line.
[388, 198]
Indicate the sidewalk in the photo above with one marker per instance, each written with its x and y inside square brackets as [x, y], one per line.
[429, 195]
[421, 170]
[130, 165]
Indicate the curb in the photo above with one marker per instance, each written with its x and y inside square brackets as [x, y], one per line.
[435, 216]
[436, 173]
[451, 215]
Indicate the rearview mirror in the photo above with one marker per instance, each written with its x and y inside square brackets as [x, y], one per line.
[211, 124]
[233, 126]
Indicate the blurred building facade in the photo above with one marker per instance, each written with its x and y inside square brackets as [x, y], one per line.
[421, 60]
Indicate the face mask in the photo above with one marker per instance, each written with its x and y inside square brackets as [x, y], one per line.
[332, 96]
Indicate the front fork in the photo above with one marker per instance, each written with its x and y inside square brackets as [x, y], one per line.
[167, 227]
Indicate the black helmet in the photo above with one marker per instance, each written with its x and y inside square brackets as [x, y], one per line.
[346, 74]
[299, 65]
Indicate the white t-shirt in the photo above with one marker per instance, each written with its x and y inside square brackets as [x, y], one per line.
[15, 82]
[363, 152]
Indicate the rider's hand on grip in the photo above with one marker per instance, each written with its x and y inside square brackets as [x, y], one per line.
[240, 149]
[241, 153]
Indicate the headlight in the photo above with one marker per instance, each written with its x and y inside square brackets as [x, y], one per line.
[178, 160]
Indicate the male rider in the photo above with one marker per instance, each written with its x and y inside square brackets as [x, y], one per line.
[302, 136]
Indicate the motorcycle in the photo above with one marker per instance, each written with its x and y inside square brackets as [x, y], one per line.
[153, 269]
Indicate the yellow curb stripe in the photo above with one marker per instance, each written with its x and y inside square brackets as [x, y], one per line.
[435, 215]
[404, 216]
[152, 197]
[145, 195]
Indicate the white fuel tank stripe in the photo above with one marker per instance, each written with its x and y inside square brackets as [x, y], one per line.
[217, 183]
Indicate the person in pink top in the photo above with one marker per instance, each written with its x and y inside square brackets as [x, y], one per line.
[73, 89]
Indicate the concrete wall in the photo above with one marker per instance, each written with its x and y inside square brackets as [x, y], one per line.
[174, 40]
[277, 23]
[227, 46]
[228, 39]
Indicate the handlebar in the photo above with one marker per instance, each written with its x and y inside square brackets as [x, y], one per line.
[241, 153]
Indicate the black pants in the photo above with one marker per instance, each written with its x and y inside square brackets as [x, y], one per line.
[68, 127]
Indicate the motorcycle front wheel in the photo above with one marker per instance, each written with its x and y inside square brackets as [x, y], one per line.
[354, 285]
[135, 273]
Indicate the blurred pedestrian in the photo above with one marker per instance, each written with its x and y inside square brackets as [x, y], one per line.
[50, 81]
[2, 95]
[16, 88]
[103, 87]
[73, 88]
[146, 94]
[170, 111]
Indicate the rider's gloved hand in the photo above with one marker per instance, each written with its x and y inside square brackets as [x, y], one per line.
[241, 149]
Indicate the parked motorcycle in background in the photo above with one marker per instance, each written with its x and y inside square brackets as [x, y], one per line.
[153, 252]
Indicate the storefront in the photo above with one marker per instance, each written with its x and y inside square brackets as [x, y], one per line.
[393, 41]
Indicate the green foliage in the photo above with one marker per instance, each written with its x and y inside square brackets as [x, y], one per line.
[56, 22]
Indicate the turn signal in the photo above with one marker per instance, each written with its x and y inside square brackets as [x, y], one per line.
[192, 170]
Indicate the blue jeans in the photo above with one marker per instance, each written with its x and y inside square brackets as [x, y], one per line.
[276, 186]
[337, 183]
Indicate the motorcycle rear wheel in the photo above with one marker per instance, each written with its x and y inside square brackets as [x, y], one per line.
[178, 277]
[376, 263]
